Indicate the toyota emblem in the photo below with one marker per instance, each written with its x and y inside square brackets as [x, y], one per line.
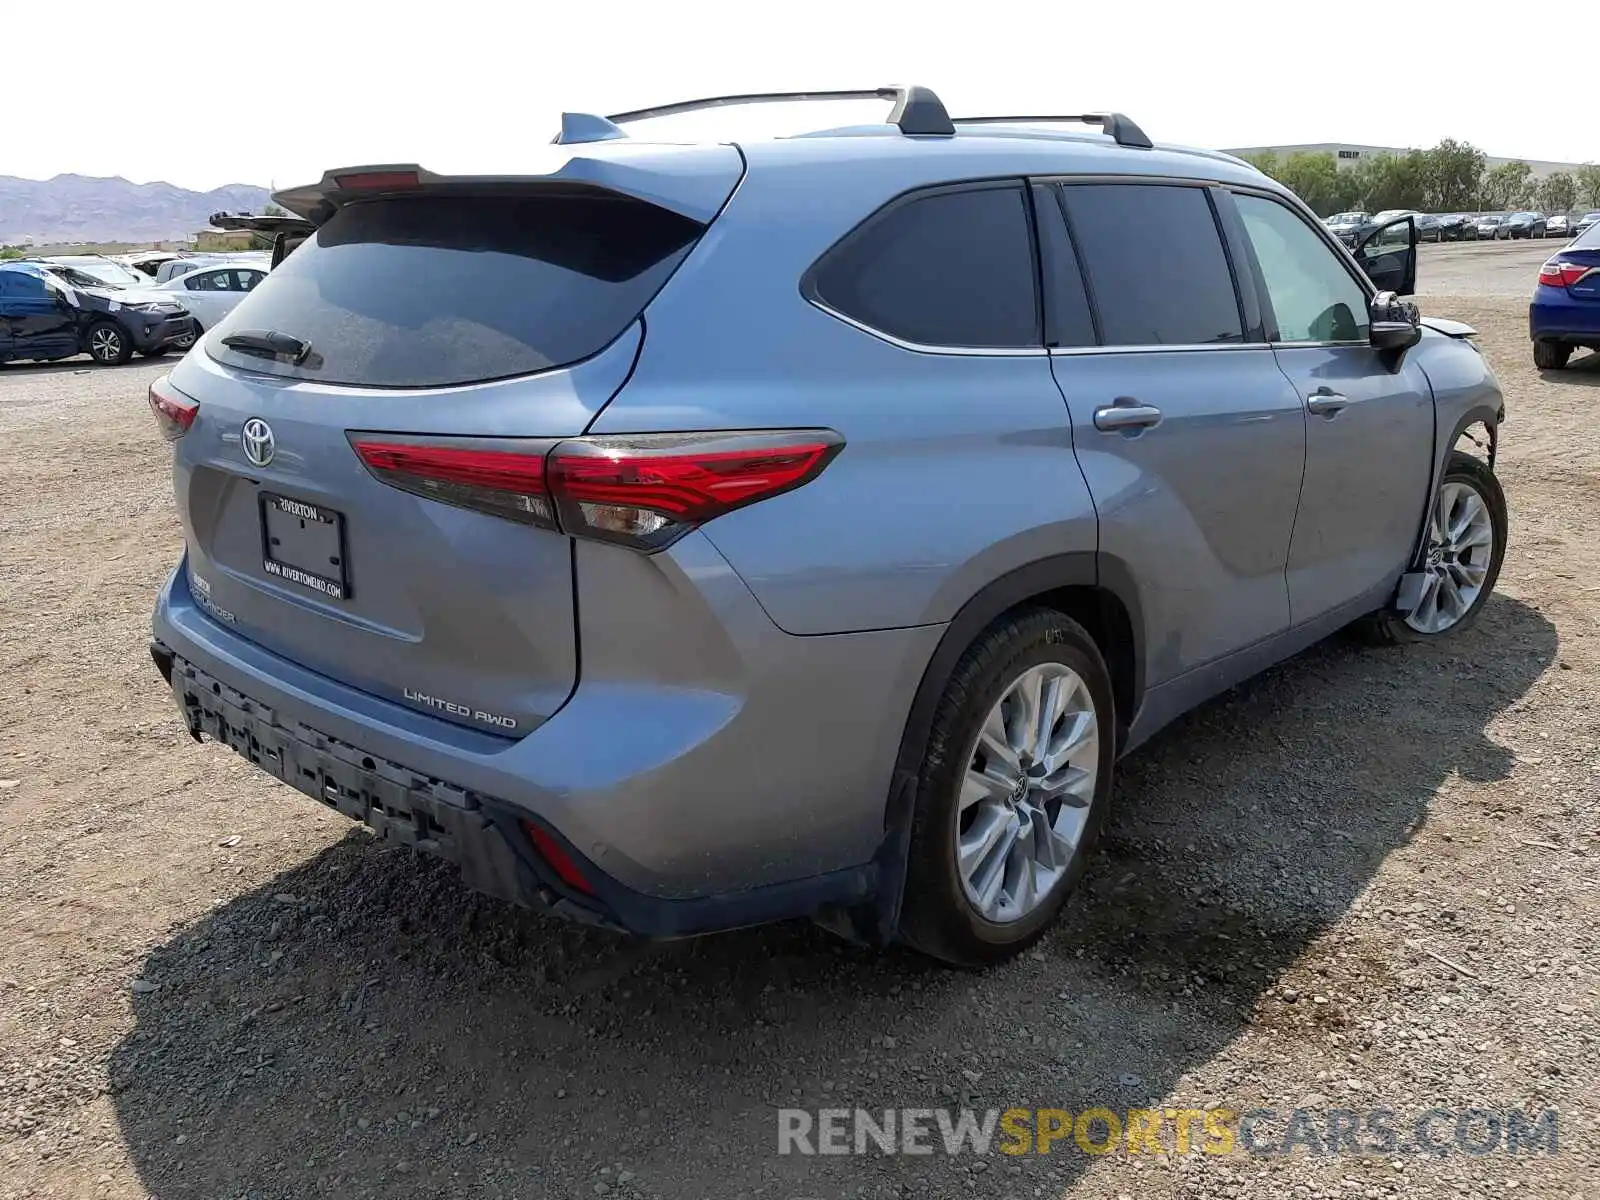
[259, 444]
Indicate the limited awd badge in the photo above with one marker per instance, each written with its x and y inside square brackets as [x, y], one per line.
[259, 444]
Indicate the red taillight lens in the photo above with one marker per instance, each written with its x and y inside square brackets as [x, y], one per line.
[379, 181]
[174, 412]
[502, 481]
[644, 491]
[641, 490]
[1563, 274]
[560, 861]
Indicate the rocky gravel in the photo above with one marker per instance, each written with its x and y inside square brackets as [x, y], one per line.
[1365, 880]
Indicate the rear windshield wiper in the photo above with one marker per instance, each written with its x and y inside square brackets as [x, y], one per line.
[269, 343]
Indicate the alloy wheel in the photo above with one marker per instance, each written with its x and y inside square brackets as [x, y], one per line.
[1460, 551]
[105, 345]
[1026, 792]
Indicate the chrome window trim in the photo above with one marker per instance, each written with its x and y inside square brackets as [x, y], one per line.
[921, 347]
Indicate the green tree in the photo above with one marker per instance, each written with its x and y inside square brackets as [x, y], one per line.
[1507, 186]
[1315, 178]
[1588, 181]
[263, 241]
[1558, 192]
[1453, 175]
[7, 252]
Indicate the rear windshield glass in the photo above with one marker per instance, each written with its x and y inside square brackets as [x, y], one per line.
[1589, 239]
[429, 291]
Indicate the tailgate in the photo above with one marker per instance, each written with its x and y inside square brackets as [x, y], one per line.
[511, 317]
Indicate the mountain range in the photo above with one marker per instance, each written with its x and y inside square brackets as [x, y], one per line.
[80, 208]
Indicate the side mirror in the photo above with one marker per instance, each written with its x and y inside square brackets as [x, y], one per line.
[1388, 256]
[1396, 326]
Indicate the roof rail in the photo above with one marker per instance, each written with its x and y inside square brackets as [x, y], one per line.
[1121, 127]
[916, 109]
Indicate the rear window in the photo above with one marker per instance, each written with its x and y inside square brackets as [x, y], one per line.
[429, 291]
[1589, 239]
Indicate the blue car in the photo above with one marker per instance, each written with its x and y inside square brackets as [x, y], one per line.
[1565, 312]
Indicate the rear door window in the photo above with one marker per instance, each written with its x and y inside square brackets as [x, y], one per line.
[435, 290]
[943, 268]
[1156, 267]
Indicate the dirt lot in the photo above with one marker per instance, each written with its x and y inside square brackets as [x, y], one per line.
[210, 988]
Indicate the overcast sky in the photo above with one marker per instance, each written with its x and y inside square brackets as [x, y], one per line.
[259, 100]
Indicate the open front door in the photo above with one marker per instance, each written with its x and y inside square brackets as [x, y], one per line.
[1388, 255]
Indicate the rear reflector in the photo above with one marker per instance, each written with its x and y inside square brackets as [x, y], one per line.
[174, 412]
[639, 490]
[560, 861]
[1563, 274]
[377, 181]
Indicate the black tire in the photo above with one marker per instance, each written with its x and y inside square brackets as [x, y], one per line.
[1551, 356]
[186, 346]
[1387, 627]
[108, 344]
[936, 916]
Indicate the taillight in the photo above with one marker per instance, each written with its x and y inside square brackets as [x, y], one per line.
[644, 491]
[560, 861]
[502, 481]
[1563, 274]
[174, 412]
[639, 490]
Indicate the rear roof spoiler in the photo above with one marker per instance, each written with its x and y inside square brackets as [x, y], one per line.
[693, 181]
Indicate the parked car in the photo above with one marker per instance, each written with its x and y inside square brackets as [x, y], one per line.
[1565, 312]
[50, 312]
[1348, 226]
[1488, 226]
[1523, 225]
[1560, 225]
[1428, 229]
[211, 293]
[1456, 227]
[463, 427]
[1588, 220]
[106, 272]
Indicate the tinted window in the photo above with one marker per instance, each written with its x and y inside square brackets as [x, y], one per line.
[247, 280]
[427, 291]
[945, 269]
[207, 281]
[1313, 297]
[1155, 264]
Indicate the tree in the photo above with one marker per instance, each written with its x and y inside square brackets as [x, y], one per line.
[1558, 192]
[263, 241]
[1507, 185]
[1315, 178]
[1588, 180]
[1453, 173]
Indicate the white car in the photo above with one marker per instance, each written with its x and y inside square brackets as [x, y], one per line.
[210, 292]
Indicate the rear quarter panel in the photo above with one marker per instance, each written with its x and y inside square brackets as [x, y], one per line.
[957, 467]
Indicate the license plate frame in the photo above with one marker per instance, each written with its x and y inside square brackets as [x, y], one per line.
[296, 539]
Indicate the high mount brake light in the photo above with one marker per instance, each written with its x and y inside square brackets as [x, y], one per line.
[639, 490]
[1563, 274]
[377, 181]
[174, 412]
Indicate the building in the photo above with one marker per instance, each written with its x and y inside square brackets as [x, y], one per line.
[223, 239]
[1348, 155]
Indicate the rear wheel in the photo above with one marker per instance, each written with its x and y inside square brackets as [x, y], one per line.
[1014, 788]
[1466, 545]
[190, 338]
[1551, 356]
[108, 344]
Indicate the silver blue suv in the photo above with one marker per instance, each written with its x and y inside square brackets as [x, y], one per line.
[684, 536]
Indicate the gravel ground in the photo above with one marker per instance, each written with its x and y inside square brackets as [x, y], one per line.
[1365, 879]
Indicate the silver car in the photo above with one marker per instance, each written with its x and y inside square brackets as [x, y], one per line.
[679, 536]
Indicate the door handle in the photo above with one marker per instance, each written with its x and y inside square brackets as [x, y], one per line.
[1126, 413]
[1327, 404]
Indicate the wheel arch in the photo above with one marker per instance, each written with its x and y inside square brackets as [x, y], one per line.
[1095, 589]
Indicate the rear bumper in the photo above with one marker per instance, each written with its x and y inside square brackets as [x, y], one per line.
[687, 810]
[1556, 316]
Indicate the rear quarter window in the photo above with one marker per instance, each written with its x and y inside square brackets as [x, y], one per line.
[436, 290]
[944, 268]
